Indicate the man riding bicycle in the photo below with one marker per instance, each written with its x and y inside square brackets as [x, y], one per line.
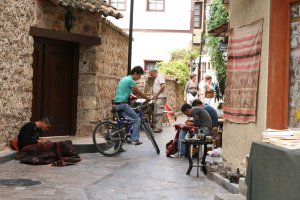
[125, 86]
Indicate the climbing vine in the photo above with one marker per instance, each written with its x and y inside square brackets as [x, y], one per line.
[217, 15]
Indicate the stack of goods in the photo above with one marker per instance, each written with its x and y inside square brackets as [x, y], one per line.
[288, 138]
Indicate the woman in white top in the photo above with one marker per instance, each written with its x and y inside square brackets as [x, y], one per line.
[191, 92]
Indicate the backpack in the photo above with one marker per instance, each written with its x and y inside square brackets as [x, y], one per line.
[171, 146]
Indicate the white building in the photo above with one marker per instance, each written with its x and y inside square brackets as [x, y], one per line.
[159, 27]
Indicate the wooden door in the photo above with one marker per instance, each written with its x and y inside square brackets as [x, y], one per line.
[278, 69]
[55, 84]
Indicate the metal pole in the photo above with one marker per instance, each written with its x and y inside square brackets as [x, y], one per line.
[130, 37]
[199, 64]
[201, 36]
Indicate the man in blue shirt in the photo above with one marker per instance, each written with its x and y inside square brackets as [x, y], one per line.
[211, 111]
[124, 89]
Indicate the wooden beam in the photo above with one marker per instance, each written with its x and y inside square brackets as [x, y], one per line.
[221, 29]
[278, 70]
[64, 36]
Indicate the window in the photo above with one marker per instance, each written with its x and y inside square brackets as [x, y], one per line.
[198, 15]
[151, 64]
[119, 4]
[156, 5]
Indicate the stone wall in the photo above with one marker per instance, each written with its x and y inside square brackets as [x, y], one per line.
[237, 138]
[108, 65]
[15, 66]
[100, 67]
[52, 17]
[174, 91]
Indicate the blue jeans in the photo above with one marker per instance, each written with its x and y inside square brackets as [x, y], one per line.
[182, 147]
[131, 115]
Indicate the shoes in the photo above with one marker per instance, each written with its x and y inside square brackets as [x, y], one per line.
[157, 130]
[122, 150]
[187, 136]
[136, 142]
[175, 155]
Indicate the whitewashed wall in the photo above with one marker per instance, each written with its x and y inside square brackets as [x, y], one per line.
[156, 34]
[176, 16]
[157, 46]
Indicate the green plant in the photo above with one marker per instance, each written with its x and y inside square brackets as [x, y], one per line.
[218, 64]
[178, 66]
[217, 15]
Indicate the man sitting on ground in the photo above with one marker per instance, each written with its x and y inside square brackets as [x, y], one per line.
[36, 151]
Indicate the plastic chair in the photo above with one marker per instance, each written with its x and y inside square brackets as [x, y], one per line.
[169, 115]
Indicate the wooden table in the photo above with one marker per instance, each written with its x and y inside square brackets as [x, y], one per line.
[201, 165]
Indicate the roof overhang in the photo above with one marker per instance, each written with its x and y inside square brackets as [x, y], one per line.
[219, 30]
[92, 6]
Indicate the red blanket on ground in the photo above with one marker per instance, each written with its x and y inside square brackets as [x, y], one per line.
[60, 153]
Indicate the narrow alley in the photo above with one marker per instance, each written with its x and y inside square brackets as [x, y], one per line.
[138, 173]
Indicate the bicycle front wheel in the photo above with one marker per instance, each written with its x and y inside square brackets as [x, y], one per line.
[146, 126]
[107, 138]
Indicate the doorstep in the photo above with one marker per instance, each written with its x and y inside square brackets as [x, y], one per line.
[81, 144]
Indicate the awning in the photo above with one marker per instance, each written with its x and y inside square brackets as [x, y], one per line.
[222, 29]
[92, 6]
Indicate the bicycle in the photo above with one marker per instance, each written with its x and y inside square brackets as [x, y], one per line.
[109, 136]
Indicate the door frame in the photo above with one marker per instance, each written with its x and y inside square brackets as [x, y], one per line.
[279, 62]
[36, 105]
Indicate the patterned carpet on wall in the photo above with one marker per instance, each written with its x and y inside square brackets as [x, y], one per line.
[244, 48]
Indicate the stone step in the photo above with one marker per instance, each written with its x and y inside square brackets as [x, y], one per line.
[243, 186]
[220, 180]
[229, 197]
[7, 155]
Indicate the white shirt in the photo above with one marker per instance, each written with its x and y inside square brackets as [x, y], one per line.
[160, 79]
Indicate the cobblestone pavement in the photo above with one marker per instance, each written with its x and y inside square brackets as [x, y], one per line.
[138, 173]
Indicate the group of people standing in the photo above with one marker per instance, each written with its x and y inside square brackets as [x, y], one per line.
[204, 91]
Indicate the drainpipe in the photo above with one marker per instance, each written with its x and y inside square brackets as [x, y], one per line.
[130, 37]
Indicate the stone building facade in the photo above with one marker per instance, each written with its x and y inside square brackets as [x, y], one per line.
[173, 88]
[99, 66]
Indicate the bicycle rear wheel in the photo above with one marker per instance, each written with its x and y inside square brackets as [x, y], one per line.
[146, 126]
[107, 138]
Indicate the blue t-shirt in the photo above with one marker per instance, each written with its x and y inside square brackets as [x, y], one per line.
[213, 114]
[124, 89]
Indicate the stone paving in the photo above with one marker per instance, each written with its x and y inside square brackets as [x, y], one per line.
[138, 173]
